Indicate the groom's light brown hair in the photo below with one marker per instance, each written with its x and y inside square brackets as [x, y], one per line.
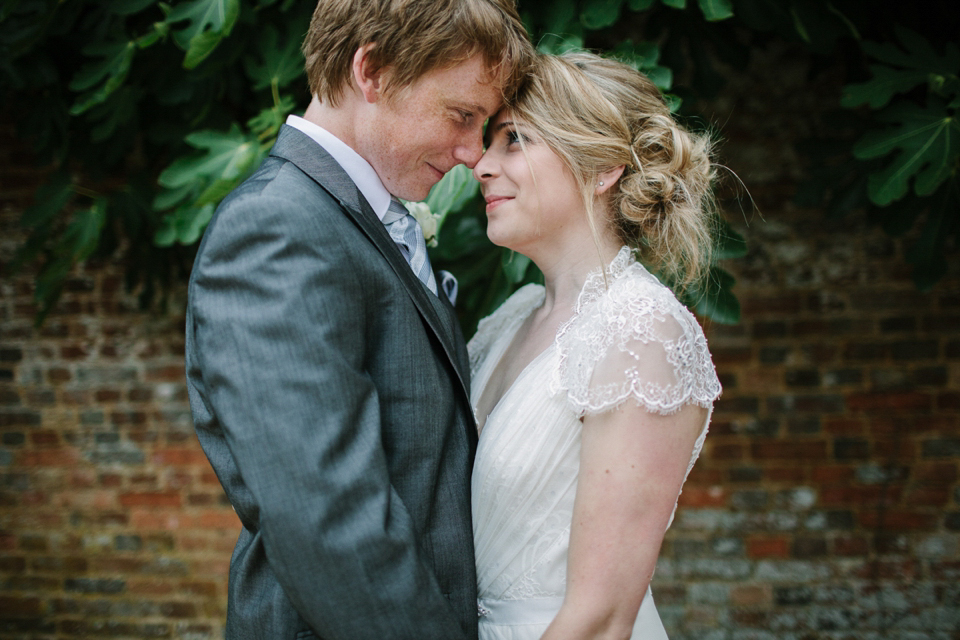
[413, 37]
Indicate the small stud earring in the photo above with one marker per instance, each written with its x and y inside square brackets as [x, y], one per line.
[601, 183]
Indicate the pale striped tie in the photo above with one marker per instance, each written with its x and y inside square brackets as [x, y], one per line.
[406, 232]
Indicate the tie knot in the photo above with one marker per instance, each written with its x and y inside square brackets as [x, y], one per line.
[396, 211]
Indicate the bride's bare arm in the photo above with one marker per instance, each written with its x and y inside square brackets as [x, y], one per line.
[632, 466]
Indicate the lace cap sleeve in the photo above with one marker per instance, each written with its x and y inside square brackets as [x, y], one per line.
[635, 341]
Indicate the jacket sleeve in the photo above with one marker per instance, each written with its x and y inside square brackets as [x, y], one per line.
[279, 329]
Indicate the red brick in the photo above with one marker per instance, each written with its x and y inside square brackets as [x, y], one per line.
[45, 438]
[61, 565]
[59, 374]
[894, 449]
[928, 497]
[843, 496]
[224, 518]
[205, 589]
[180, 457]
[935, 473]
[886, 401]
[48, 458]
[891, 520]
[701, 475]
[843, 426]
[851, 546]
[107, 395]
[883, 569]
[150, 587]
[768, 547]
[212, 568]
[117, 565]
[151, 499]
[73, 352]
[8, 541]
[166, 374]
[13, 607]
[141, 520]
[833, 474]
[725, 452]
[948, 401]
[703, 497]
[789, 450]
[141, 437]
[208, 477]
[144, 478]
[898, 423]
[748, 595]
[75, 397]
[193, 543]
[794, 475]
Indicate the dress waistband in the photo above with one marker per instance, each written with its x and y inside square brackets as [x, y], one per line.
[513, 612]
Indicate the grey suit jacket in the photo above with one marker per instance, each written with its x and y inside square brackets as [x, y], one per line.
[329, 390]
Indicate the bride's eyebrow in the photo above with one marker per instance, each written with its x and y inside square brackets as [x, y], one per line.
[488, 134]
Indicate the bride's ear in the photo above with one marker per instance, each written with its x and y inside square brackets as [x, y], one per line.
[608, 178]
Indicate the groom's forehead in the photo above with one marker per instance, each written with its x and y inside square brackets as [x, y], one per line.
[469, 84]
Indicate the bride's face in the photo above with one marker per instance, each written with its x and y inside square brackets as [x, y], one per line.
[532, 198]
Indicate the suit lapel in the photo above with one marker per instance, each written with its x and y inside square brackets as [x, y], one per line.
[298, 148]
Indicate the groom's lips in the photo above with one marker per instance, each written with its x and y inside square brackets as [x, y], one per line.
[439, 173]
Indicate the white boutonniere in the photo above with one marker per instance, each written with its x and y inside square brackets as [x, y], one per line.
[429, 221]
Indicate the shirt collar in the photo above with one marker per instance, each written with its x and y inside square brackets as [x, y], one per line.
[359, 170]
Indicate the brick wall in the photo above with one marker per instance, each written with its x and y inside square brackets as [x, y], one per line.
[112, 523]
[825, 505]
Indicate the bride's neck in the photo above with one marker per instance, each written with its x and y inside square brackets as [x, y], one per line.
[565, 275]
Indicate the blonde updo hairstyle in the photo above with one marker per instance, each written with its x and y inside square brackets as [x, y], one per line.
[597, 114]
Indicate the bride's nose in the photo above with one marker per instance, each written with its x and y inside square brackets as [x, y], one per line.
[485, 168]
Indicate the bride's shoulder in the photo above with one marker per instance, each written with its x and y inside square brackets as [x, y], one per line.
[517, 306]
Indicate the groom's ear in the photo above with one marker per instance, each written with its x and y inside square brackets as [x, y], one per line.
[369, 78]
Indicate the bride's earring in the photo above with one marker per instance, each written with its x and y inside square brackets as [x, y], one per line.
[601, 183]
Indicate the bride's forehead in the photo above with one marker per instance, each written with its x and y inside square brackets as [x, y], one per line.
[505, 115]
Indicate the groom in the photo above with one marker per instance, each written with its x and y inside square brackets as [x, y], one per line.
[327, 377]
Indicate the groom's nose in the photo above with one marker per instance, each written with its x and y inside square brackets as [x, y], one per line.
[470, 150]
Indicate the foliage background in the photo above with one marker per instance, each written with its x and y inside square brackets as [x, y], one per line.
[147, 113]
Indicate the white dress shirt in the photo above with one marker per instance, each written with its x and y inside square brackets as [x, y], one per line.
[359, 170]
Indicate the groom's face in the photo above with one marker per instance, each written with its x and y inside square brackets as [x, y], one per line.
[431, 126]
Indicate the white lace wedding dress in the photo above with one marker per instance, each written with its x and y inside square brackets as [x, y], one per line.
[525, 474]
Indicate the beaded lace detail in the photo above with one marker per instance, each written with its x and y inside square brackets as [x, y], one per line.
[633, 340]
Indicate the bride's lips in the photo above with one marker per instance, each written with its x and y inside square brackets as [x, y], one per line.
[493, 201]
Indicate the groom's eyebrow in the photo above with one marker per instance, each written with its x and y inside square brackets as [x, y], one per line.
[474, 108]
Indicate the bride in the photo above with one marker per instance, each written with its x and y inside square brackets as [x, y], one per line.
[593, 392]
